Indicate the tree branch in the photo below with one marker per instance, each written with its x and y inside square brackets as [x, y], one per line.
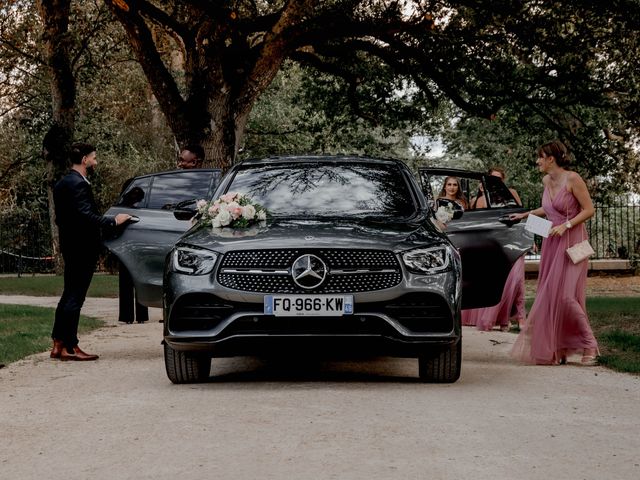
[161, 81]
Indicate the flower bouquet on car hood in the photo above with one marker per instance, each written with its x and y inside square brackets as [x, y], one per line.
[233, 209]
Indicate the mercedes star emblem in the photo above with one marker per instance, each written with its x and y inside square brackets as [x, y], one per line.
[308, 271]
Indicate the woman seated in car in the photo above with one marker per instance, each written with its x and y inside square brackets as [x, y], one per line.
[479, 201]
[452, 194]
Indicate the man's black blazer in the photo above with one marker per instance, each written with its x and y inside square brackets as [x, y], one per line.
[77, 216]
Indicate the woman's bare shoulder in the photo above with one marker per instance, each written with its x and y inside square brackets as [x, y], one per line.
[574, 178]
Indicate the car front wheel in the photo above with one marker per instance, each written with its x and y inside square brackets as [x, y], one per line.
[441, 366]
[185, 367]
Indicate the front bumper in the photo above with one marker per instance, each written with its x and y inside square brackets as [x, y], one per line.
[421, 313]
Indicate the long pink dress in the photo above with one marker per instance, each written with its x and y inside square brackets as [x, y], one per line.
[558, 319]
[511, 304]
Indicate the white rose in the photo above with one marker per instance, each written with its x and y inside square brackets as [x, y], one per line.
[215, 223]
[249, 212]
[224, 217]
[262, 215]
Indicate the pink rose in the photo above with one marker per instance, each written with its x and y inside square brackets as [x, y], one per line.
[234, 209]
[229, 197]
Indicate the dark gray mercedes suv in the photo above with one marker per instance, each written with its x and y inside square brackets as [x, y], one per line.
[350, 261]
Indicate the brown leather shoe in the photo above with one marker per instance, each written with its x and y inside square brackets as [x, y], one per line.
[57, 349]
[77, 355]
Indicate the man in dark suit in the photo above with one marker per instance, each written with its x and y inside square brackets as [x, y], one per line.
[79, 225]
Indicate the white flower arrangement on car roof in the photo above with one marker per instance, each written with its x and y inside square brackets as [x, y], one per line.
[233, 209]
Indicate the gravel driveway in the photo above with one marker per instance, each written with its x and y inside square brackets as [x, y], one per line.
[120, 417]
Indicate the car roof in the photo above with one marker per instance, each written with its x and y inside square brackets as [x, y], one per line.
[283, 159]
[173, 172]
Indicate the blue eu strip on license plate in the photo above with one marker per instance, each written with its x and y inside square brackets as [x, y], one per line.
[308, 305]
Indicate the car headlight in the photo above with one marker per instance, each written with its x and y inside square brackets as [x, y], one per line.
[193, 261]
[428, 260]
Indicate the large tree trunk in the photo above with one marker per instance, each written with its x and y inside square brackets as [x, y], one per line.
[56, 143]
[224, 74]
[223, 138]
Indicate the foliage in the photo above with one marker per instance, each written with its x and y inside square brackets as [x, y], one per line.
[361, 76]
[580, 61]
[24, 99]
[483, 56]
[304, 111]
[115, 108]
[511, 138]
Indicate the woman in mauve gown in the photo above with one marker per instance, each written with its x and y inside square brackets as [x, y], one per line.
[511, 304]
[557, 325]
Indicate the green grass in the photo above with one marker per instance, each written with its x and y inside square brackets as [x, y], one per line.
[616, 324]
[102, 285]
[25, 330]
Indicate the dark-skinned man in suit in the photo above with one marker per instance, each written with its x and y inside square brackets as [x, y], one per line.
[79, 224]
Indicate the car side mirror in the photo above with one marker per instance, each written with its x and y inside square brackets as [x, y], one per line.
[184, 214]
[185, 210]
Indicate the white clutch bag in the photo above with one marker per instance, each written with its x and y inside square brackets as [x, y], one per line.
[580, 251]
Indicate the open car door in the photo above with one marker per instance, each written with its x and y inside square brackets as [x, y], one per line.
[489, 243]
[143, 246]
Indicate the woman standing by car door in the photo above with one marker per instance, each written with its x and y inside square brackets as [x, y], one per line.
[557, 325]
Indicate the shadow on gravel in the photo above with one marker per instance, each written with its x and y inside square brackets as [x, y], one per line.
[254, 369]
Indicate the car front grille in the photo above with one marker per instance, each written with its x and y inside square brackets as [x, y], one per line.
[349, 271]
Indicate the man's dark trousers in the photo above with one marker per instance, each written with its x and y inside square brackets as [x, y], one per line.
[78, 271]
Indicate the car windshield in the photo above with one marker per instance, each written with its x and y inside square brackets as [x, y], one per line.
[317, 189]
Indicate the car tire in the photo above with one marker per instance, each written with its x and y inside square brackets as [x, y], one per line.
[185, 367]
[441, 366]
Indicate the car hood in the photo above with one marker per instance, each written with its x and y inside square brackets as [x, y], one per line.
[307, 233]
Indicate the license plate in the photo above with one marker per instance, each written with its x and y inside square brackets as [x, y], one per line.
[308, 305]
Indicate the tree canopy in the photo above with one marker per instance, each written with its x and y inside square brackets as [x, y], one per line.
[255, 77]
[482, 55]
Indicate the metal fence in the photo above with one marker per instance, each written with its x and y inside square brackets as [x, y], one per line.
[25, 244]
[614, 233]
[25, 240]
